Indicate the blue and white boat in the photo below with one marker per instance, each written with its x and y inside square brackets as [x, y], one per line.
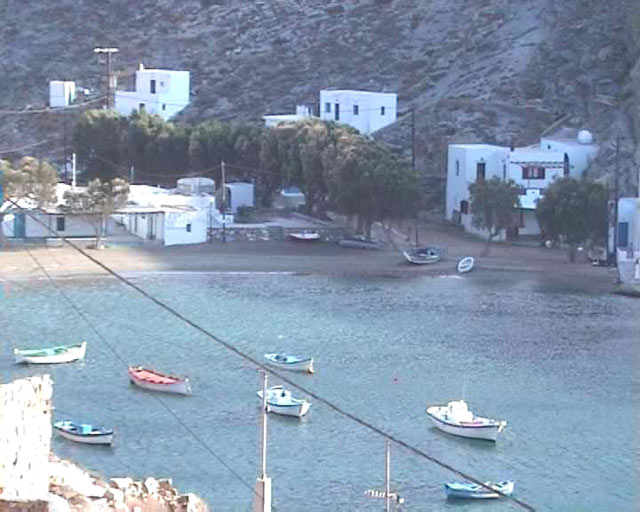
[280, 401]
[474, 491]
[83, 432]
[288, 362]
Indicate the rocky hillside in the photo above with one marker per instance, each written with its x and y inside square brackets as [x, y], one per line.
[472, 70]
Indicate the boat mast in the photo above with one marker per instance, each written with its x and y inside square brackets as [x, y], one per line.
[262, 502]
[387, 476]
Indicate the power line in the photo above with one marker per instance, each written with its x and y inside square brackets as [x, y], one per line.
[27, 146]
[363, 423]
[54, 110]
[82, 315]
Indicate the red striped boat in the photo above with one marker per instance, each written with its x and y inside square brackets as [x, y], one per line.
[156, 381]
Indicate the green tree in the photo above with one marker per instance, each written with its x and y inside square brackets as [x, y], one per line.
[99, 140]
[97, 202]
[31, 179]
[492, 206]
[574, 211]
[209, 144]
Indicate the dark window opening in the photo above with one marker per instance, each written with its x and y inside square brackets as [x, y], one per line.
[337, 112]
[623, 234]
[464, 207]
[504, 172]
[565, 165]
[480, 171]
[381, 111]
[152, 86]
[327, 107]
[141, 107]
[60, 223]
[188, 228]
[532, 172]
[457, 167]
[356, 110]
[164, 106]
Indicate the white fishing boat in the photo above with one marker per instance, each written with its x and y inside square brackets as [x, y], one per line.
[59, 354]
[288, 362]
[83, 433]
[456, 418]
[280, 401]
[304, 236]
[475, 491]
[466, 264]
[425, 255]
[156, 381]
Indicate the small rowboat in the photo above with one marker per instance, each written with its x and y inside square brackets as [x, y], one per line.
[83, 432]
[156, 381]
[280, 401]
[466, 264]
[303, 236]
[425, 255]
[359, 242]
[455, 418]
[60, 354]
[286, 362]
[475, 491]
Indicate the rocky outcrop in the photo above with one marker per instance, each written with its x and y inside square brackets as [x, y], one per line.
[74, 490]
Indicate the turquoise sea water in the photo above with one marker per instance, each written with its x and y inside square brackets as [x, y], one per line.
[558, 363]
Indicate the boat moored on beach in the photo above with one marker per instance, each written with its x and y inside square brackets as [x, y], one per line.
[474, 491]
[288, 362]
[425, 255]
[83, 432]
[51, 355]
[456, 418]
[156, 381]
[280, 401]
[359, 242]
[304, 236]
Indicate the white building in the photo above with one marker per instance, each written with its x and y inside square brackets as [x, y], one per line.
[157, 91]
[239, 194]
[365, 111]
[533, 168]
[61, 93]
[302, 112]
[196, 185]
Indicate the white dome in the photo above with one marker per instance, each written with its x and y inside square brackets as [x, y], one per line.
[585, 137]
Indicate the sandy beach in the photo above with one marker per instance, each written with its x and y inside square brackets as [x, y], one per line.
[18, 263]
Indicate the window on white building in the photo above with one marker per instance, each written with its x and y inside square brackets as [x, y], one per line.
[188, 228]
[504, 172]
[152, 86]
[464, 207]
[356, 110]
[480, 171]
[532, 172]
[60, 223]
[381, 111]
[141, 107]
[457, 167]
[164, 106]
[327, 107]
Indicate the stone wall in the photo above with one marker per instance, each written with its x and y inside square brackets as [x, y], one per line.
[263, 234]
[25, 439]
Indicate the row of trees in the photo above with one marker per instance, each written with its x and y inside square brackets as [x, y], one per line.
[332, 164]
[571, 211]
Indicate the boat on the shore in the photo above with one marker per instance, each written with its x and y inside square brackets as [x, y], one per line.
[474, 491]
[359, 242]
[304, 236]
[288, 362]
[280, 401]
[456, 418]
[425, 255]
[466, 264]
[51, 355]
[83, 432]
[156, 381]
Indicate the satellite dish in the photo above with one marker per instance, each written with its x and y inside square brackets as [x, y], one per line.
[585, 137]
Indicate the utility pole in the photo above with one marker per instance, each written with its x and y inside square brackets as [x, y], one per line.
[387, 476]
[224, 205]
[108, 51]
[262, 501]
[413, 138]
[73, 171]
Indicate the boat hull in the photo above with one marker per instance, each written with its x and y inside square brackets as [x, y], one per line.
[466, 265]
[475, 492]
[179, 387]
[411, 258]
[484, 432]
[304, 237]
[354, 243]
[101, 439]
[298, 410]
[303, 365]
[75, 353]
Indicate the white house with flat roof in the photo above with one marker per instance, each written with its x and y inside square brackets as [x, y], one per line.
[532, 168]
[157, 91]
[366, 111]
[62, 93]
[302, 112]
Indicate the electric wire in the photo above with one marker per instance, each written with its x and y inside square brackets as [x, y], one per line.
[52, 109]
[82, 315]
[340, 410]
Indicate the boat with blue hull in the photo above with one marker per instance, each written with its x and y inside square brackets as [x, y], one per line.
[465, 490]
[289, 362]
[83, 432]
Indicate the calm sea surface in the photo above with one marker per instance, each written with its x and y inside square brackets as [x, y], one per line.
[558, 363]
